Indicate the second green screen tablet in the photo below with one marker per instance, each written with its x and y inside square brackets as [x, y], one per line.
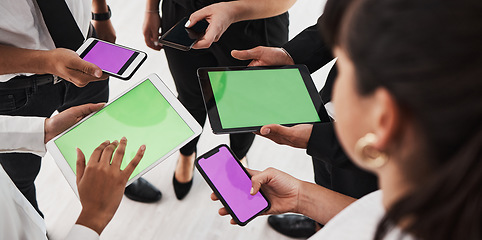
[247, 98]
[142, 115]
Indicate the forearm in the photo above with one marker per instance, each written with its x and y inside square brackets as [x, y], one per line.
[256, 9]
[99, 6]
[319, 203]
[152, 5]
[20, 60]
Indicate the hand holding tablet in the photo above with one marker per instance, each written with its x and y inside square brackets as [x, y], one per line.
[243, 99]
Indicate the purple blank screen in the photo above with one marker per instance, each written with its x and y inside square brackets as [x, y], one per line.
[108, 57]
[233, 184]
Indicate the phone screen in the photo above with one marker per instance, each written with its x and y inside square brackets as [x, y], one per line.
[109, 57]
[233, 184]
[142, 115]
[180, 35]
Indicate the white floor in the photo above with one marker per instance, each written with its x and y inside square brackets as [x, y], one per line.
[196, 216]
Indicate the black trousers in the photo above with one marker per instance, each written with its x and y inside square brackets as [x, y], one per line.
[41, 101]
[184, 65]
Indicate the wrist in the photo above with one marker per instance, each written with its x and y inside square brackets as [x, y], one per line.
[303, 205]
[101, 13]
[288, 56]
[46, 61]
[93, 221]
[47, 136]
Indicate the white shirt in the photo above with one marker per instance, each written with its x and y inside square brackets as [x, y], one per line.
[359, 221]
[22, 25]
[22, 134]
[19, 220]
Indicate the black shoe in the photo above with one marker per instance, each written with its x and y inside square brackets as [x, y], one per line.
[181, 189]
[293, 225]
[142, 191]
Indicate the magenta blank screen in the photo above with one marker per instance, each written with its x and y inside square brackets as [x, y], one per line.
[108, 57]
[233, 184]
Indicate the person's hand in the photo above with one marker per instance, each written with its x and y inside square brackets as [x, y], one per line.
[219, 16]
[280, 188]
[150, 29]
[66, 64]
[105, 31]
[66, 119]
[296, 136]
[101, 183]
[264, 56]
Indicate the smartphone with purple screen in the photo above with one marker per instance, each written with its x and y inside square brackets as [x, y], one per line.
[232, 184]
[115, 60]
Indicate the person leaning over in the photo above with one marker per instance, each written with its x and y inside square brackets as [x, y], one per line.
[399, 102]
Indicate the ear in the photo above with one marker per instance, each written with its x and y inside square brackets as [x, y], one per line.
[386, 118]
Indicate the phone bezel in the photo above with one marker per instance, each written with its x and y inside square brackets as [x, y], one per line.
[174, 44]
[131, 68]
[218, 194]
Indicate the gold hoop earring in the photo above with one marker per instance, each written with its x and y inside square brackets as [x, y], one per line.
[370, 157]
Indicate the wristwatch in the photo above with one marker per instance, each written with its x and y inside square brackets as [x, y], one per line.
[102, 16]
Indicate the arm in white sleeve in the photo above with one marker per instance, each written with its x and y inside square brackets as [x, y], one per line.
[22, 134]
[79, 232]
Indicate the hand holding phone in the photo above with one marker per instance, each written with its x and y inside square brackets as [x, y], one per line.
[113, 59]
[182, 38]
[232, 184]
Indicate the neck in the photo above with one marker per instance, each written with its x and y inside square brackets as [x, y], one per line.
[393, 184]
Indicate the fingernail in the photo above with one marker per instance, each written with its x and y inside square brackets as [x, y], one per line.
[266, 131]
[123, 139]
[98, 73]
[143, 147]
[115, 142]
[156, 43]
[252, 191]
[106, 142]
[187, 23]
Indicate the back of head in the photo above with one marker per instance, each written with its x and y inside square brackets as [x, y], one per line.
[428, 55]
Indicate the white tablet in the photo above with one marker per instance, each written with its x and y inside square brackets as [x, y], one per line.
[148, 113]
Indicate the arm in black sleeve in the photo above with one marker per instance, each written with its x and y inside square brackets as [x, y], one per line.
[324, 145]
[309, 48]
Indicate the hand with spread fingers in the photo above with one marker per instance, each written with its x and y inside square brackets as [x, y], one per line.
[101, 182]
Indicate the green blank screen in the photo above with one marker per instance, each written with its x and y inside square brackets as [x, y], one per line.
[142, 115]
[247, 98]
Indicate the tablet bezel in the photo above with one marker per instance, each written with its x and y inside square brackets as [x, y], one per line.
[210, 103]
[70, 175]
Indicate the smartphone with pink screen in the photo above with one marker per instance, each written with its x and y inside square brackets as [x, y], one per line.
[232, 184]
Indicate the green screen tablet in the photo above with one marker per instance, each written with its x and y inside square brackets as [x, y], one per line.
[242, 99]
[146, 114]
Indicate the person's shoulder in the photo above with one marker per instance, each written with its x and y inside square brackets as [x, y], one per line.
[357, 221]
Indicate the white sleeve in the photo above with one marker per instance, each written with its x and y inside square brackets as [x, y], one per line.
[79, 232]
[22, 134]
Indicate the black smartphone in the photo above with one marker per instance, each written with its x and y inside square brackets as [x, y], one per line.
[232, 184]
[182, 38]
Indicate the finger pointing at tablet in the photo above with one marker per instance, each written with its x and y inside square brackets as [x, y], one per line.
[101, 184]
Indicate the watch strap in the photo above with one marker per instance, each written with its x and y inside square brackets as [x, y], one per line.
[102, 16]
